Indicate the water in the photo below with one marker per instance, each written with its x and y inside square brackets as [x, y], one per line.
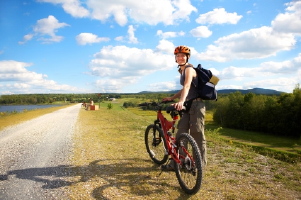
[21, 108]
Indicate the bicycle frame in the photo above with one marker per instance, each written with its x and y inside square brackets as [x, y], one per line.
[166, 125]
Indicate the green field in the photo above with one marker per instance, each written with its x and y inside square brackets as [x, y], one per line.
[110, 150]
[286, 149]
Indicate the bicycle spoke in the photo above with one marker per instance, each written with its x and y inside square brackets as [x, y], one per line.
[155, 145]
[189, 172]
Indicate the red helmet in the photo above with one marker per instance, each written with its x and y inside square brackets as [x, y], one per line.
[182, 49]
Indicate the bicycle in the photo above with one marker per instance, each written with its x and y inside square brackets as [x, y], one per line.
[160, 143]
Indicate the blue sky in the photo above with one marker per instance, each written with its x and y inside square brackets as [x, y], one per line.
[126, 46]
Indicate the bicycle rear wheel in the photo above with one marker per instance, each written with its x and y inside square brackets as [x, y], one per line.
[189, 172]
[155, 144]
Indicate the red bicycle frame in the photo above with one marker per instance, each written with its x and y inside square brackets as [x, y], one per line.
[170, 140]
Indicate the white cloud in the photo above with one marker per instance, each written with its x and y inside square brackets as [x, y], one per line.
[131, 33]
[280, 84]
[285, 67]
[126, 65]
[151, 12]
[265, 69]
[163, 86]
[130, 37]
[26, 38]
[183, 8]
[109, 86]
[103, 10]
[11, 67]
[255, 43]
[45, 30]
[170, 34]
[289, 22]
[201, 32]
[218, 16]
[48, 26]
[162, 11]
[73, 7]
[265, 76]
[89, 38]
[119, 38]
[15, 78]
[165, 46]
[260, 42]
[114, 85]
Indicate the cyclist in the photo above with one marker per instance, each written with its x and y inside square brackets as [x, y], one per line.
[192, 121]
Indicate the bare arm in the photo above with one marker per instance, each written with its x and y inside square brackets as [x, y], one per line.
[189, 74]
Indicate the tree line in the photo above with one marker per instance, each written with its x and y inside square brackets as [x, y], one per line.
[21, 99]
[280, 115]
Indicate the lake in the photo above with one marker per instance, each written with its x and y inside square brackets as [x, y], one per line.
[20, 108]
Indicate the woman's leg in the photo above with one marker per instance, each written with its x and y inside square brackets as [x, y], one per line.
[197, 127]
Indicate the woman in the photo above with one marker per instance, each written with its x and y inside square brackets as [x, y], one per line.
[192, 121]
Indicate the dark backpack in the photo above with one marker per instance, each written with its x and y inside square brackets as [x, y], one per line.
[206, 83]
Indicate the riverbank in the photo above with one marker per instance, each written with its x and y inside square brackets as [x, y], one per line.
[21, 108]
[19, 117]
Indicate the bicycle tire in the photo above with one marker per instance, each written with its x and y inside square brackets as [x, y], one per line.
[189, 173]
[155, 144]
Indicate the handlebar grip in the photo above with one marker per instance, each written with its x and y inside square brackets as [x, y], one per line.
[172, 101]
[172, 108]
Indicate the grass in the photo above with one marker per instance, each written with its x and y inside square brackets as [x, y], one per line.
[286, 149]
[282, 148]
[112, 163]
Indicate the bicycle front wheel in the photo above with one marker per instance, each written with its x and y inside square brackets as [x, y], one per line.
[189, 171]
[155, 144]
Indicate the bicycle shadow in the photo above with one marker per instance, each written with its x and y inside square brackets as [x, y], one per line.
[117, 174]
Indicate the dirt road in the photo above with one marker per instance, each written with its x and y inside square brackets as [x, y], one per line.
[34, 156]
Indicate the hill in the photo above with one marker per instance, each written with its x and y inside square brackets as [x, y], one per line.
[254, 90]
[228, 91]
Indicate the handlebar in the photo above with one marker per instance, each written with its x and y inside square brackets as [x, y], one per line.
[172, 108]
[155, 103]
[168, 109]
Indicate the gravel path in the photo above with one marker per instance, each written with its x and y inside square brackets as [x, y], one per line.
[34, 156]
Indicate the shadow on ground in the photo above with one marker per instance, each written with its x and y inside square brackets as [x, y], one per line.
[118, 174]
